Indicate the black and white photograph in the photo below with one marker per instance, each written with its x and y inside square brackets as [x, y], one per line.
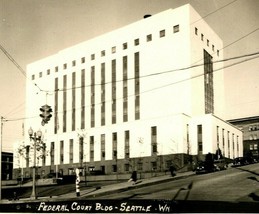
[129, 106]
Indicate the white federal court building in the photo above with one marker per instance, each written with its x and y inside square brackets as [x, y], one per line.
[141, 97]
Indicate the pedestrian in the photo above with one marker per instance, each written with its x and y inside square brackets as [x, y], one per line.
[133, 177]
[172, 170]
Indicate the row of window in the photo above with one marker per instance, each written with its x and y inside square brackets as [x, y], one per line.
[125, 46]
[207, 40]
[93, 112]
[102, 141]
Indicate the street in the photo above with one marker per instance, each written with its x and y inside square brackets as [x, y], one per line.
[233, 184]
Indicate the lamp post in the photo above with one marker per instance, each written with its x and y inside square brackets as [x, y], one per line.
[36, 136]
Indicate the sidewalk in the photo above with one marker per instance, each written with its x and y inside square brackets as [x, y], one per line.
[113, 188]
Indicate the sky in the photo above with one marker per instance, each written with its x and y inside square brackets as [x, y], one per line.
[34, 29]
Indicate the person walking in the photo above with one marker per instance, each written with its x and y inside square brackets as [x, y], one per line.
[133, 177]
[172, 170]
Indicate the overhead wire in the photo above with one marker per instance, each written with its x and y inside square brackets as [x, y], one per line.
[24, 73]
[163, 86]
[16, 64]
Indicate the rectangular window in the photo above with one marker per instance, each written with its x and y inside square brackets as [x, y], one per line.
[162, 33]
[74, 63]
[103, 94]
[56, 69]
[82, 98]
[213, 48]
[102, 146]
[61, 152]
[81, 150]
[176, 28]
[56, 120]
[208, 43]
[154, 139]
[92, 56]
[102, 53]
[136, 42]
[137, 86]
[114, 145]
[65, 103]
[126, 167]
[125, 88]
[125, 46]
[71, 147]
[202, 37]
[114, 49]
[73, 101]
[140, 166]
[40, 74]
[33, 77]
[92, 96]
[52, 153]
[208, 83]
[48, 72]
[91, 148]
[196, 31]
[114, 168]
[64, 66]
[127, 144]
[149, 38]
[113, 85]
[199, 132]
[83, 60]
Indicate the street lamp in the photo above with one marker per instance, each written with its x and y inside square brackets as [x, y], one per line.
[36, 136]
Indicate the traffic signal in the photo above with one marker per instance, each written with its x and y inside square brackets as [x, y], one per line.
[45, 114]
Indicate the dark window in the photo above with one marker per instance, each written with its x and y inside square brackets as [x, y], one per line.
[136, 42]
[176, 28]
[124, 46]
[208, 83]
[83, 60]
[196, 31]
[149, 37]
[114, 49]
[162, 33]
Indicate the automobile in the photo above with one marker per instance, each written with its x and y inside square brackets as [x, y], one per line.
[205, 167]
[200, 169]
[240, 161]
[220, 164]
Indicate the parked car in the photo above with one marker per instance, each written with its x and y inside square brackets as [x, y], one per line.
[220, 164]
[204, 167]
[240, 161]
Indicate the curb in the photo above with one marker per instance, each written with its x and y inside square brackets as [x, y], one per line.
[93, 195]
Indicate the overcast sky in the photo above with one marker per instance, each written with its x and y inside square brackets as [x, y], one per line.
[34, 29]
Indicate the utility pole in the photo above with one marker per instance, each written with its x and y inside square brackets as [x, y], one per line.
[1, 143]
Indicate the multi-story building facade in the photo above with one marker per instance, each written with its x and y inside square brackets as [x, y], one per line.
[137, 98]
[250, 128]
[7, 166]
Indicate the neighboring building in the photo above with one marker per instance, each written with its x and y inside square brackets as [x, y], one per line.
[250, 128]
[7, 166]
[142, 97]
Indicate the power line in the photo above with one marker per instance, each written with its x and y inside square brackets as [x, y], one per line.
[153, 89]
[160, 73]
[16, 64]
[214, 11]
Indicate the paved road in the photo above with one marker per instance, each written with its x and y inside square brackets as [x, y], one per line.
[234, 184]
